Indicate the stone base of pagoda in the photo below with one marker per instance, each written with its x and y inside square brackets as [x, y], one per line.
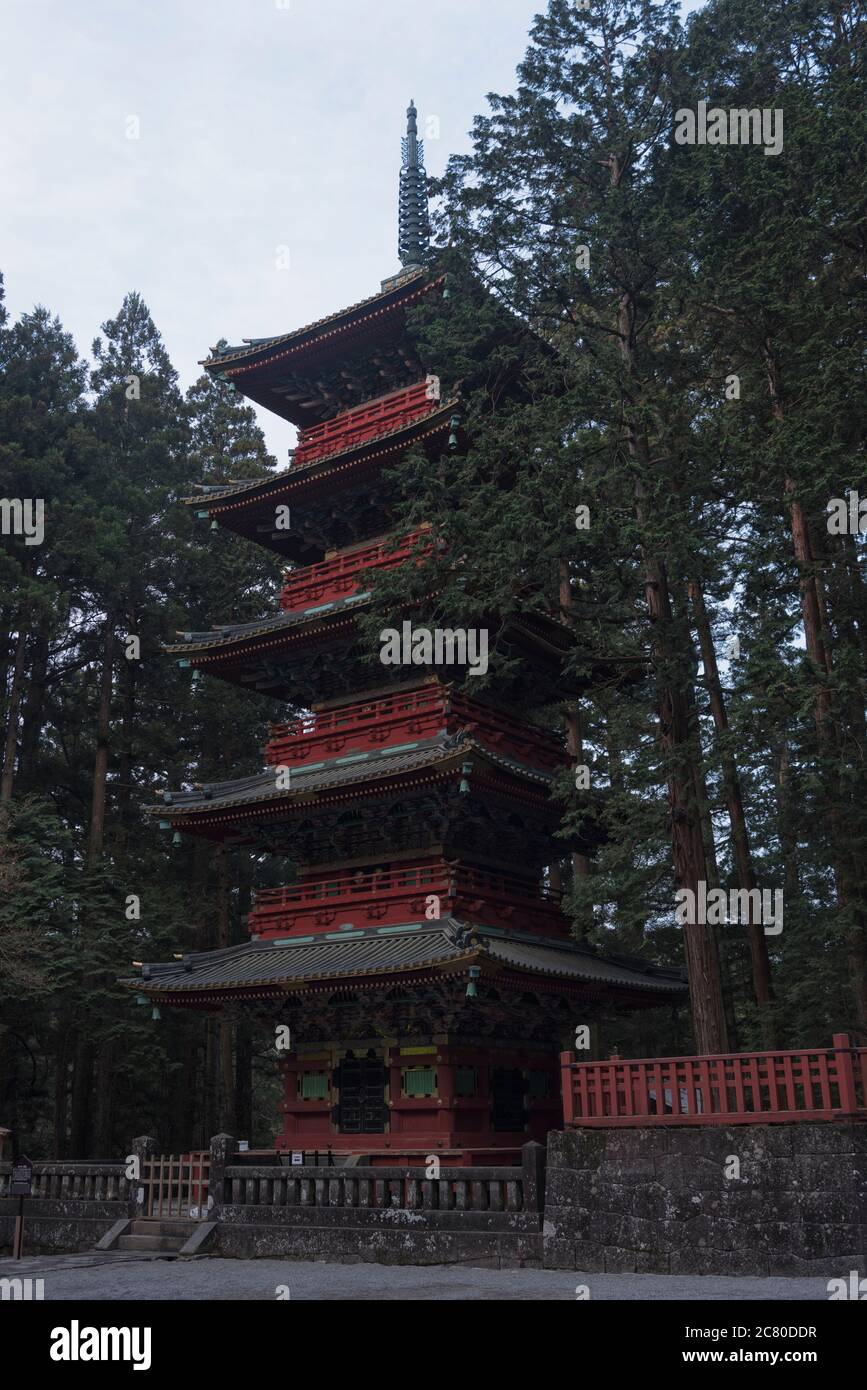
[399, 1102]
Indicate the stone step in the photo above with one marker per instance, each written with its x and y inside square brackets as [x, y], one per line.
[172, 1243]
[151, 1226]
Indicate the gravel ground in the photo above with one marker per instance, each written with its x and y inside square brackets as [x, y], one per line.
[130, 1278]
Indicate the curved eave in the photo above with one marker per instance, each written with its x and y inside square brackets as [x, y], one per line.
[240, 495]
[412, 954]
[270, 988]
[279, 631]
[262, 370]
[260, 351]
[546, 632]
[491, 772]
[543, 636]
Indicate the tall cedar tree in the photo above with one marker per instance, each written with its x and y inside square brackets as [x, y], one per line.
[558, 212]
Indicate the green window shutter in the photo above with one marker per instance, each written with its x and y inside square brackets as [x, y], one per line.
[419, 1081]
[313, 1085]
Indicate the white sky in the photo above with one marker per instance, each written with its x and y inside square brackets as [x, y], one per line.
[263, 124]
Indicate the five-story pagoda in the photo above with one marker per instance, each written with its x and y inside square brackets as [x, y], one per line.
[419, 957]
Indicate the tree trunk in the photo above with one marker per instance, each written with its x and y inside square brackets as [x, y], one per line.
[846, 601]
[574, 739]
[785, 827]
[31, 723]
[105, 1099]
[858, 595]
[184, 1115]
[9, 1081]
[211, 1079]
[65, 1043]
[761, 965]
[729, 989]
[243, 1118]
[7, 623]
[690, 866]
[8, 779]
[129, 674]
[831, 739]
[103, 735]
[687, 841]
[82, 1098]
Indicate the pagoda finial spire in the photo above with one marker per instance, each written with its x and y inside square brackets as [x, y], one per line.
[414, 239]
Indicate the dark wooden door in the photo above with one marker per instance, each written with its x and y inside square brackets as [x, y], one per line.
[507, 1096]
[361, 1083]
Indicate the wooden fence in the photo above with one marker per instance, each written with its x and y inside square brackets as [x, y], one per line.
[175, 1186]
[741, 1088]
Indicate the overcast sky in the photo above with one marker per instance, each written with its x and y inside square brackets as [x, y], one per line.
[261, 124]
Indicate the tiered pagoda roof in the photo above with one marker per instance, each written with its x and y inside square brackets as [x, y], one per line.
[351, 470]
[335, 778]
[269, 655]
[308, 375]
[411, 954]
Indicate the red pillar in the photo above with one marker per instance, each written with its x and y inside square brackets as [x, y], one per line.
[566, 1063]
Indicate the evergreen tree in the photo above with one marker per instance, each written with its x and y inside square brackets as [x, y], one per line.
[558, 212]
[775, 291]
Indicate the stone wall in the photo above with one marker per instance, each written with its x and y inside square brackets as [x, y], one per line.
[58, 1228]
[657, 1200]
[397, 1237]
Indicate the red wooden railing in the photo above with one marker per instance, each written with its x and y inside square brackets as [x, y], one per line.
[743, 1088]
[409, 717]
[400, 895]
[509, 736]
[363, 422]
[371, 724]
[341, 575]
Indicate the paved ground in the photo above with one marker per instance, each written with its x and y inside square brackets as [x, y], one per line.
[131, 1277]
